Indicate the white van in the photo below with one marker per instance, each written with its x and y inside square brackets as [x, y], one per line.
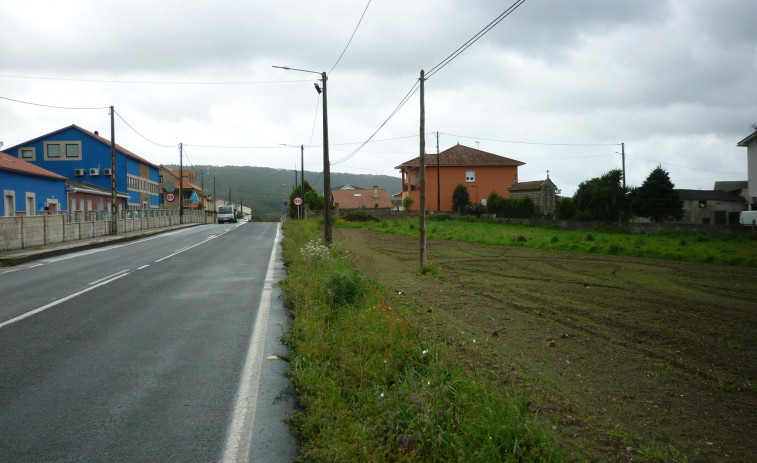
[748, 218]
[227, 214]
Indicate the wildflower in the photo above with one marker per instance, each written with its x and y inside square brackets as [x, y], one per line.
[424, 352]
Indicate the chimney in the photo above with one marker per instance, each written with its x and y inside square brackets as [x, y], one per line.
[375, 191]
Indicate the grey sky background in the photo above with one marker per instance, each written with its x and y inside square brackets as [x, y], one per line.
[675, 80]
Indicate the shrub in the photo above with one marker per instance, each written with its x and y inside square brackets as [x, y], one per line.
[344, 288]
[360, 216]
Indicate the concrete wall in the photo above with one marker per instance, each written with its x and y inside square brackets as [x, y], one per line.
[27, 232]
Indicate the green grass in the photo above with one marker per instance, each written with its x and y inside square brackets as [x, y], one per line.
[372, 386]
[727, 249]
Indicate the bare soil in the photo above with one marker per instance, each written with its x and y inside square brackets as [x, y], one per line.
[626, 359]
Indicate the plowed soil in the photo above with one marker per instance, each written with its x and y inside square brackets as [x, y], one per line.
[626, 359]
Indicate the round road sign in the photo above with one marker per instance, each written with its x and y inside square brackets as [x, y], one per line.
[297, 201]
[170, 197]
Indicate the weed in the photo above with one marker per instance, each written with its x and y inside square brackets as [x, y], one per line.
[589, 237]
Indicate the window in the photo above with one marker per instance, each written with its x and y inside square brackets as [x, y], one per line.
[9, 203]
[52, 150]
[73, 150]
[68, 150]
[470, 176]
[28, 154]
[30, 200]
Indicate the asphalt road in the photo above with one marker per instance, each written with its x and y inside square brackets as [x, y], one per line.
[153, 350]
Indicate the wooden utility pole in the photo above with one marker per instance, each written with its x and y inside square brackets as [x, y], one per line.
[214, 195]
[113, 203]
[202, 187]
[422, 176]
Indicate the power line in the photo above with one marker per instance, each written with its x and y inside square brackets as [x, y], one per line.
[236, 147]
[137, 132]
[351, 37]
[154, 82]
[410, 93]
[686, 167]
[529, 142]
[315, 117]
[51, 106]
[474, 39]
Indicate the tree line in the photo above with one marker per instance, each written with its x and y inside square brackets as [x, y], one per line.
[601, 198]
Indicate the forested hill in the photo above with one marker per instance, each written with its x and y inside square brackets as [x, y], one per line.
[263, 188]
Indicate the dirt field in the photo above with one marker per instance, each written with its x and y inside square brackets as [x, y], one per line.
[628, 359]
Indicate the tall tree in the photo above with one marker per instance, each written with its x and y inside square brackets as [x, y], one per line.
[460, 198]
[602, 198]
[656, 198]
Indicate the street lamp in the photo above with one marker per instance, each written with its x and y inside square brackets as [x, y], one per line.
[326, 166]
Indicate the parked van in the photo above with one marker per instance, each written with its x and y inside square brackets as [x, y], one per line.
[748, 218]
[227, 214]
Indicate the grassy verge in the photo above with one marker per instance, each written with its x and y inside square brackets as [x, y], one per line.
[373, 385]
[738, 250]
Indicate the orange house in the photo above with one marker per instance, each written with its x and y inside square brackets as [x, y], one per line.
[481, 172]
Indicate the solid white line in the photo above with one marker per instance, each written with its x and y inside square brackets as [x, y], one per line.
[109, 276]
[239, 438]
[59, 301]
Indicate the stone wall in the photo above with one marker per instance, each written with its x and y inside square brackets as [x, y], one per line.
[27, 232]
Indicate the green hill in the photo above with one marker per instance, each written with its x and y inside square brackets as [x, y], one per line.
[264, 189]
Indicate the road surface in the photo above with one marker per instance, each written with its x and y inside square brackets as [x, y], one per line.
[152, 350]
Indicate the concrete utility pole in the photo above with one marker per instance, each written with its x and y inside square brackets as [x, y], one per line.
[302, 168]
[113, 203]
[623, 153]
[326, 169]
[326, 164]
[202, 187]
[181, 183]
[438, 177]
[422, 176]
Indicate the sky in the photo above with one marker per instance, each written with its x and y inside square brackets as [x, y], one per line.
[557, 84]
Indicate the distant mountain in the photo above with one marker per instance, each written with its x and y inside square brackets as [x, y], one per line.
[264, 189]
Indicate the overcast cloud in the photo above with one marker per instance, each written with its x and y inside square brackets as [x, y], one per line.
[674, 80]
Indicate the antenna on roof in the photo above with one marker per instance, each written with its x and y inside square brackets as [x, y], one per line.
[754, 127]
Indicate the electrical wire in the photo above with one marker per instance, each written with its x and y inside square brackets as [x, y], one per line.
[315, 117]
[137, 132]
[410, 93]
[683, 167]
[351, 37]
[155, 82]
[474, 39]
[529, 143]
[51, 106]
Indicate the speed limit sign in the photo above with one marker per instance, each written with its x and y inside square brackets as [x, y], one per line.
[297, 201]
[170, 197]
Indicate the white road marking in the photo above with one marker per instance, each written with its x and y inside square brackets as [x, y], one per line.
[59, 301]
[239, 438]
[144, 266]
[109, 276]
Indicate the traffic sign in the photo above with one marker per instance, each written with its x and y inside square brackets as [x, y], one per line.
[170, 197]
[297, 201]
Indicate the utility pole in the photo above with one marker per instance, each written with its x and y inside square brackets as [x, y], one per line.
[302, 168]
[422, 174]
[623, 153]
[326, 169]
[202, 187]
[214, 195]
[438, 177]
[181, 183]
[114, 216]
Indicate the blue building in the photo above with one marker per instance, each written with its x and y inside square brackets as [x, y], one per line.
[28, 189]
[84, 156]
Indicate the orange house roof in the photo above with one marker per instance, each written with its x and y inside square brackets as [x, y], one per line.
[358, 199]
[8, 162]
[460, 155]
